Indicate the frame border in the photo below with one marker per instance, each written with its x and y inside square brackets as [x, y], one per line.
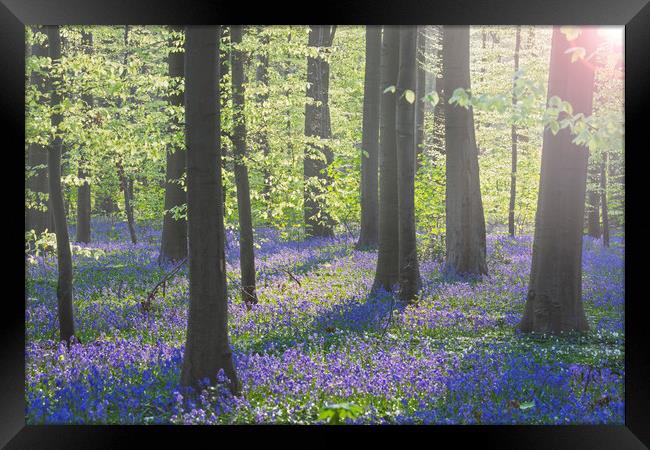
[634, 14]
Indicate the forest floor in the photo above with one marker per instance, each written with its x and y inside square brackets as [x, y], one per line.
[318, 338]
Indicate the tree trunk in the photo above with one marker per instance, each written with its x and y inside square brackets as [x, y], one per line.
[83, 192]
[370, 141]
[207, 350]
[603, 199]
[465, 223]
[409, 272]
[246, 251]
[174, 233]
[38, 219]
[387, 272]
[262, 79]
[513, 134]
[64, 254]
[439, 108]
[125, 183]
[554, 303]
[419, 94]
[593, 200]
[318, 156]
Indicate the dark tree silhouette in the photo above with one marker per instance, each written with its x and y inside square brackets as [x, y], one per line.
[207, 349]
[593, 200]
[603, 199]
[174, 233]
[465, 223]
[246, 251]
[513, 134]
[554, 303]
[38, 219]
[409, 272]
[63, 252]
[318, 156]
[370, 142]
[387, 271]
[83, 193]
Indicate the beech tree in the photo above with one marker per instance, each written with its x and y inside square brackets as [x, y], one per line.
[262, 79]
[465, 223]
[126, 184]
[83, 192]
[513, 133]
[409, 272]
[554, 302]
[174, 233]
[318, 155]
[593, 199]
[207, 350]
[63, 252]
[370, 141]
[603, 199]
[387, 271]
[246, 251]
[420, 92]
[38, 213]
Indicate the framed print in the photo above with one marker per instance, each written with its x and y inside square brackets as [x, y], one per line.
[407, 219]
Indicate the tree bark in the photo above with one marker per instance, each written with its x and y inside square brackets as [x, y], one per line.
[83, 192]
[513, 134]
[603, 199]
[174, 233]
[64, 254]
[439, 108]
[387, 273]
[207, 350]
[317, 157]
[419, 94]
[554, 303]
[38, 219]
[246, 251]
[370, 141]
[465, 223]
[409, 272]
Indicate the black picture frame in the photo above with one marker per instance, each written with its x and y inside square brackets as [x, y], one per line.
[634, 14]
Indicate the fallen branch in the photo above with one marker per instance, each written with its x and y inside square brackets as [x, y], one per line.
[292, 277]
[146, 304]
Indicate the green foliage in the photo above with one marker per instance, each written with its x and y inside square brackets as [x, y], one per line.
[336, 413]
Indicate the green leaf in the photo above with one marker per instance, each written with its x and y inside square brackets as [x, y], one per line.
[409, 95]
[554, 126]
[526, 405]
[433, 98]
[390, 89]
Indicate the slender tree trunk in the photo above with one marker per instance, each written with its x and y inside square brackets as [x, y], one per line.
[465, 223]
[419, 94]
[603, 199]
[64, 254]
[387, 273]
[174, 233]
[38, 219]
[409, 272]
[370, 142]
[593, 200]
[83, 192]
[439, 108]
[246, 251]
[123, 177]
[318, 156]
[126, 186]
[262, 79]
[207, 350]
[513, 133]
[554, 303]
